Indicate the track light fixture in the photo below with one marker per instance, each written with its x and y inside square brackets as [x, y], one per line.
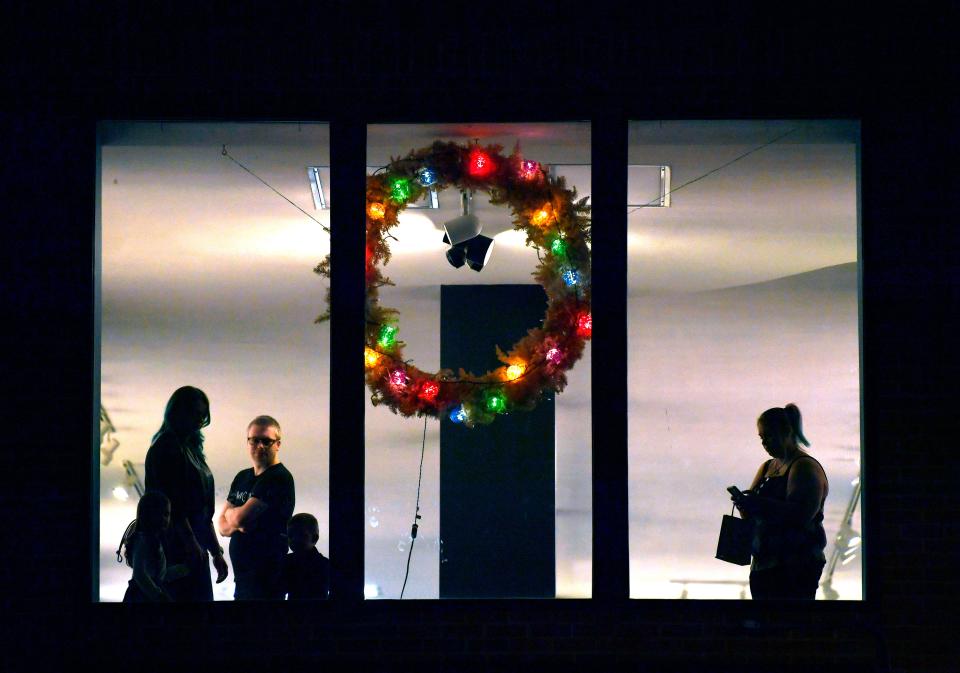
[462, 234]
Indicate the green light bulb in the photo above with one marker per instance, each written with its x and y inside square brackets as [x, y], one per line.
[388, 336]
[496, 402]
[558, 247]
[400, 191]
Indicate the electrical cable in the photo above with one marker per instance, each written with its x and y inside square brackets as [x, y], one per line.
[227, 155]
[416, 516]
[649, 203]
[690, 182]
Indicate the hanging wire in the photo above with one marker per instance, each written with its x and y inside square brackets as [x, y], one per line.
[416, 516]
[227, 155]
[690, 182]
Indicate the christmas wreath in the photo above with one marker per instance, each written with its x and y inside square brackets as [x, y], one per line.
[556, 224]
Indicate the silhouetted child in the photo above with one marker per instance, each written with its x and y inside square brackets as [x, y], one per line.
[306, 572]
[144, 553]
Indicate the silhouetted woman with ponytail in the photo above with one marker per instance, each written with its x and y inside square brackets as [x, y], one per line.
[786, 501]
[176, 467]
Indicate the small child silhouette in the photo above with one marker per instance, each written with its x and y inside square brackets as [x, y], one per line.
[306, 572]
[144, 552]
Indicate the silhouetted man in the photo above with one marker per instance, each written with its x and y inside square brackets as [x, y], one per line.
[255, 516]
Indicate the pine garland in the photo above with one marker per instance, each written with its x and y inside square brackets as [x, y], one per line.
[556, 224]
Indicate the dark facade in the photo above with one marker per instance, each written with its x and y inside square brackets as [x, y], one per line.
[610, 67]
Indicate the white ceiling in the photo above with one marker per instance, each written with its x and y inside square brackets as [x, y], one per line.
[786, 208]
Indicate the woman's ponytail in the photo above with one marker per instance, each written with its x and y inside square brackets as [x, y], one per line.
[792, 412]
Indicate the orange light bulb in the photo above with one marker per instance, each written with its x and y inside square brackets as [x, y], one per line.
[541, 217]
[376, 211]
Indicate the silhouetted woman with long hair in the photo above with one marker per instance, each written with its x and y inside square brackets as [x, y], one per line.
[786, 501]
[176, 466]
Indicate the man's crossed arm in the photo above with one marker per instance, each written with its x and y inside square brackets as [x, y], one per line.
[241, 518]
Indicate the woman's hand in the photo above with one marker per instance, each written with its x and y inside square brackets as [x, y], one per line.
[746, 502]
[221, 566]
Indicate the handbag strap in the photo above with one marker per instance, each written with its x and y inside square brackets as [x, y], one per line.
[733, 508]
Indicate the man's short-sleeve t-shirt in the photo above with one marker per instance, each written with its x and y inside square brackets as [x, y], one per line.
[266, 542]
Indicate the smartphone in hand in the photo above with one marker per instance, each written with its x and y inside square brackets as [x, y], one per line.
[735, 492]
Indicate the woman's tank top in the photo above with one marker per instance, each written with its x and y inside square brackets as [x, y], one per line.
[779, 543]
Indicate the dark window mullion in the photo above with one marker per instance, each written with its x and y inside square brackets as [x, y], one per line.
[611, 559]
[348, 139]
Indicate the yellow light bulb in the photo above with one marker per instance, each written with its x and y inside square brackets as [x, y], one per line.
[370, 356]
[540, 217]
[376, 211]
[514, 372]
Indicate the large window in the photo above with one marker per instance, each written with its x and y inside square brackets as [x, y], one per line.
[743, 295]
[421, 273]
[206, 279]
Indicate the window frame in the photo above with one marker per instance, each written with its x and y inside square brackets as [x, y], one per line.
[609, 403]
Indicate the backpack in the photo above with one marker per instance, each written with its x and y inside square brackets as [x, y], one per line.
[123, 551]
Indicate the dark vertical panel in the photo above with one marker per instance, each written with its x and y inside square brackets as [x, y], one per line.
[347, 392]
[611, 558]
[497, 481]
[865, 578]
[97, 296]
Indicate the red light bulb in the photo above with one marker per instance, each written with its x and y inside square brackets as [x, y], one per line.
[584, 326]
[429, 391]
[479, 164]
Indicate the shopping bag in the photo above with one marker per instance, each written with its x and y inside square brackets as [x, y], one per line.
[736, 540]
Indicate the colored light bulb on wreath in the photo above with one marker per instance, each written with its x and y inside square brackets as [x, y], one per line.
[529, 170]
[400, 190]
[376, 211]
[429, 391]
[398, 378]
[554, 356]
[426, 176]
[558, 247]
[585, 325]
[571, 277]
[458, 415]
[388, 336]
[496, 402]
[370, 357]
[479, 163]
[541, 217]
[515, 371]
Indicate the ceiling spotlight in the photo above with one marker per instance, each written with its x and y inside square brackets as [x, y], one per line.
[462, 234]
[465, 227]
[457, 255]
[479, 249]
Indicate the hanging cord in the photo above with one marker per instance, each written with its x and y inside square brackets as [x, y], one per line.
[416, 516]
[227, 155]
[690, 182]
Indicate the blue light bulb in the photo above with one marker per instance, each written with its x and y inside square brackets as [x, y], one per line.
[426, 176]
[571, 277]
[458, 415]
